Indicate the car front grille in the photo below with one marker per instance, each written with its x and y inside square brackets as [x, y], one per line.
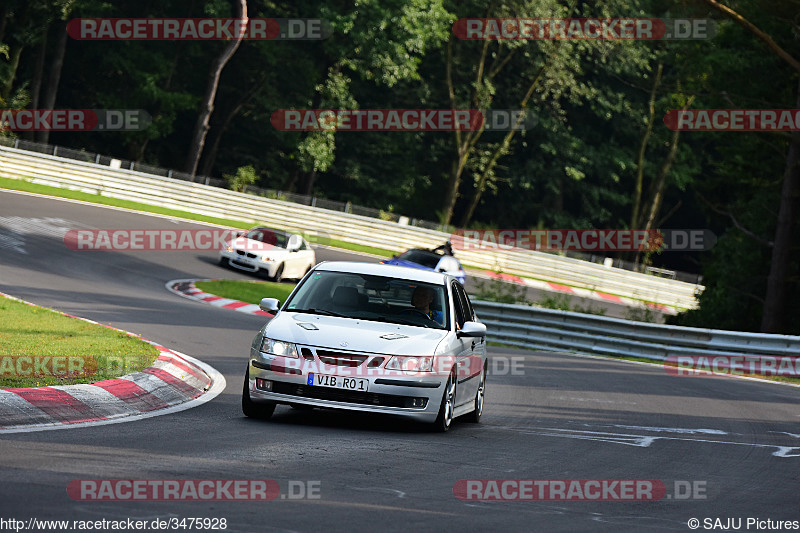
[338, 395]
[341, 359]
[248, 254]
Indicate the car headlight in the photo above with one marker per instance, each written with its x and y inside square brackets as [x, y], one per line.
[267, 258]
[411, 363]
[229, 248]
[284, 349]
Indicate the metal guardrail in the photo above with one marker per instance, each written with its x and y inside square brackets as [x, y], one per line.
[211, 201]
[553, 330]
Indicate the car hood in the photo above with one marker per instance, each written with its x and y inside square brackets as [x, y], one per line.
[251, 245]
[353, 335]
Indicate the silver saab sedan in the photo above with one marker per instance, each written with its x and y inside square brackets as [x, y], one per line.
[371, 337]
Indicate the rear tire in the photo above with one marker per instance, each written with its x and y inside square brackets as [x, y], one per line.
[448, 405]
[251, 409]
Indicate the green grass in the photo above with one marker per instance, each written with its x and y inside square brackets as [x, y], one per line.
[246, 291]
[94, 352]
[23, 185]
[357, 247]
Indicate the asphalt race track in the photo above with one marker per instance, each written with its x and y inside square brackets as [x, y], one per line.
[554, 417]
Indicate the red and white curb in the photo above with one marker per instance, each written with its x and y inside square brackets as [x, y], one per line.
[580, 293]
[187, 289]
[175, 382]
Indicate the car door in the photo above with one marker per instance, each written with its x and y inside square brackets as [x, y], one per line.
[307, 257]
[468, 370]
[295, 263]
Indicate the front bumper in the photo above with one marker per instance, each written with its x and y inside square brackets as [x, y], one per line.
[386, 393]
[249, 264]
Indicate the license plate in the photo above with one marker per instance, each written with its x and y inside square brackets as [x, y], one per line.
[338, 382]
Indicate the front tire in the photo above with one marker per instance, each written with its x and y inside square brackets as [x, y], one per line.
[252, 409]
[480, 396]
[278, 277]
[448, 405]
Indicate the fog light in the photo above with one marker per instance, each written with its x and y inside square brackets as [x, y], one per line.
[263, 384]
[418, 402]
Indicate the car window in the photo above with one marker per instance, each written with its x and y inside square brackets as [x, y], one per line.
[458, 307]
[267, 236]
[421, 257]
[469, 313]
[368, 297]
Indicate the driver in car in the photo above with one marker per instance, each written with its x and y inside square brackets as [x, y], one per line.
[421, 299]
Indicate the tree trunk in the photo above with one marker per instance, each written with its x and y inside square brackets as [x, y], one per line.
[14, 65]
[308, 183]
[203, 120]
[637, 191]
[210, 156]
[55, 75]
[658, 186]
[773, 320]
[38, 75]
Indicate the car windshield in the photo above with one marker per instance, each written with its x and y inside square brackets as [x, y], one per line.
[368, 297]
[421, 257]
[275, 238]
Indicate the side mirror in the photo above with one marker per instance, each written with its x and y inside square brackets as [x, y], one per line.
[271, 305]
[472, 329]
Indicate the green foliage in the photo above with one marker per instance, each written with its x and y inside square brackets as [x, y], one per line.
[640, 313]
[244, 176]
[575, 169]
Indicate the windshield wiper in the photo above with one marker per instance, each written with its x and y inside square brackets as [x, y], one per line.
[318, 312]
[401, 321]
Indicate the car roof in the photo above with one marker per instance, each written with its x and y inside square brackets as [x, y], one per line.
[273, 230]
[431, 253]
[391, 271]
